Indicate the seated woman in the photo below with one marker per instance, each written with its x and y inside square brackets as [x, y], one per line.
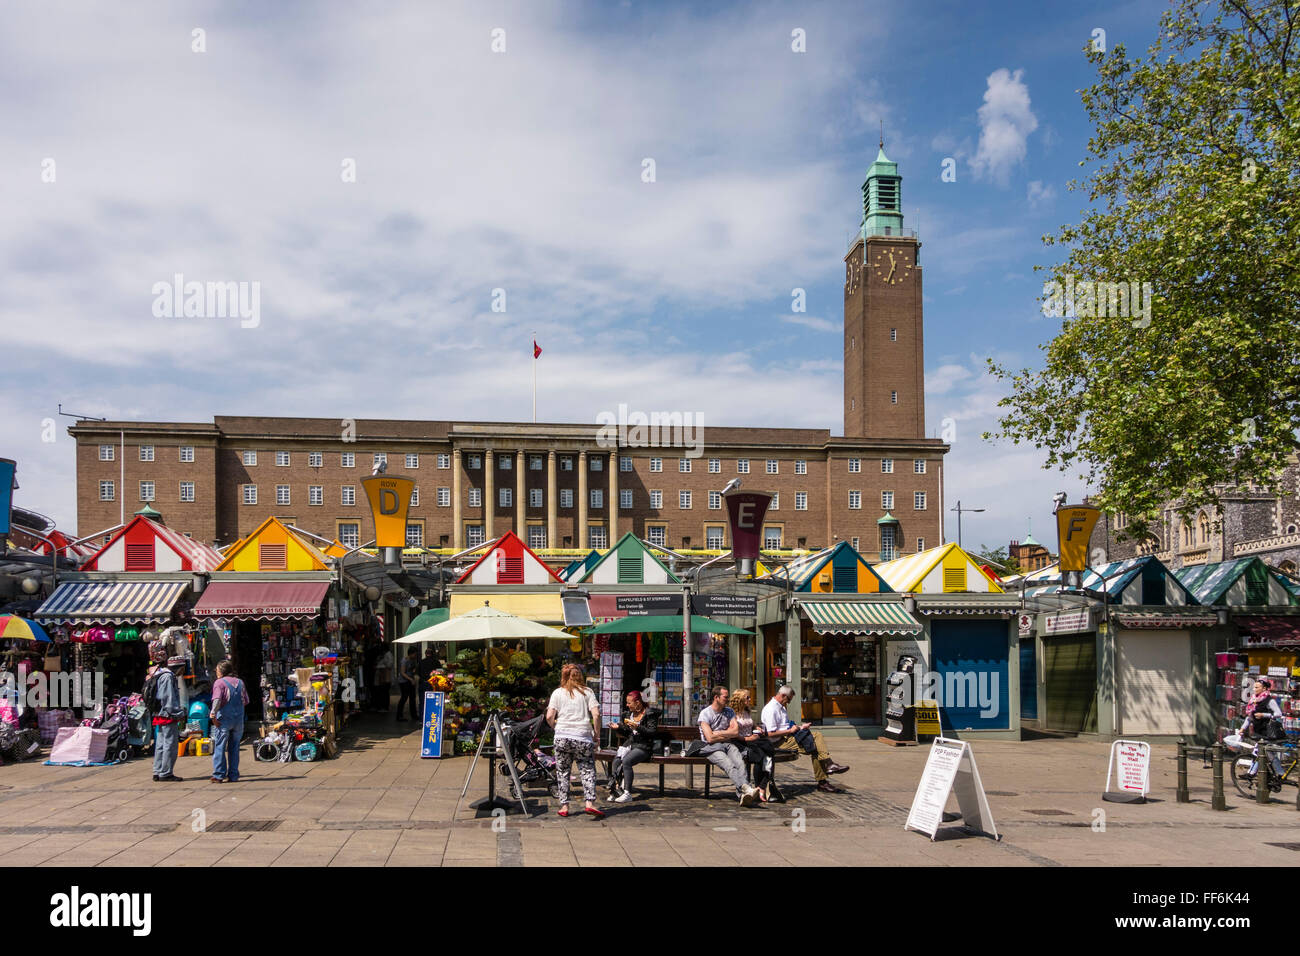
[753, 742]
[637, 728]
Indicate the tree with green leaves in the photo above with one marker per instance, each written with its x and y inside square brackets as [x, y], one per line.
[1195, 189]
[1000, 559]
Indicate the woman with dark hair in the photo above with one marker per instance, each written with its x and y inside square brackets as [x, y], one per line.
[638, 728]
[573, 712]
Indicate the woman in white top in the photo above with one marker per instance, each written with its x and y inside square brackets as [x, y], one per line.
[574, 713]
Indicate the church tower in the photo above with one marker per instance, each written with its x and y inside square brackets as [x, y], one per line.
[884, 376]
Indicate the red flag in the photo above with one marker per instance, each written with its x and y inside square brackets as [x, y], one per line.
[537, 349]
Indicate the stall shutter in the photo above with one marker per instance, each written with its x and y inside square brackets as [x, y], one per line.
[1028, 681]
[1154, 683]
[972, 658]
[139, 557]
[1070, 676]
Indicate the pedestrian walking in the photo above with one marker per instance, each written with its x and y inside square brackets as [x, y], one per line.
[406, 683]
[229, 698]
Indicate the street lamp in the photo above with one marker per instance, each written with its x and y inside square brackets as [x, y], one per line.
[959, 509]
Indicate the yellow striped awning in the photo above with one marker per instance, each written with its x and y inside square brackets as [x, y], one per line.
[850, 617]
[112, 602]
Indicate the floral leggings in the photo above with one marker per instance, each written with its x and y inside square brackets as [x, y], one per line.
[567, 750]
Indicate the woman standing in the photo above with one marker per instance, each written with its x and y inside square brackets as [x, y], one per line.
[753, 741]
[229, 697]
[639, 725]
[573, 712]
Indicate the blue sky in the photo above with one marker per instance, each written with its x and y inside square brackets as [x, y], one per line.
[522, 170]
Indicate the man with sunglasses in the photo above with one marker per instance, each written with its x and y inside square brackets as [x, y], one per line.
[787, 735]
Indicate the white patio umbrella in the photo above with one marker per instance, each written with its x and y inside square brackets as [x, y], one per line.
[482, 624]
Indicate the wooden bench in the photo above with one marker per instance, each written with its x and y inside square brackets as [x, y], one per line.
[683, 735]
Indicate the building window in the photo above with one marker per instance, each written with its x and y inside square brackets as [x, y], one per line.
[316, 494]
[596, 464]
[801, 501]
[742, 466]
[713, 538]
[146, 452]
[597, 498]
[886, 501]
[597, 537]
[684, 466]
[893, 398]
[625, 464]
[918, 466]
[474, 535]
[349, 534]
[187, 491]
[683, 499]
[775, 503]
[536, 536]
[656, 500]
[893, 335]
[444, 497]
[380, 458]
[415, 496]
[888, 551]
[349, 495]
[348, 459]
[281, 494]
[715, 466]
[771, 538]
[187, 453]
[107, 452]
[855, 500]
[535, 463]
[505, 461]
[657, 535]
[250, 458]
[315, 459]
[534, 497]
[855, 544]
[855, 465]
[566, 497]
[474, 461]
[656, 464]
[918, 500]
[715, 500]
[886, 466]
[476, 497]
[566, 463]
[146, 491]
[413, 461]
[444, 461]
[773, 467]
[106, 492]
[505, 497]
[800, 466]
[415, 534]
[1204, 523]
[920, 545]
[625, 498]
[282, 459]
[250, 494]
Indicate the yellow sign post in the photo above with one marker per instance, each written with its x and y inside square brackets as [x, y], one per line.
[1074, 524]
[390, 497]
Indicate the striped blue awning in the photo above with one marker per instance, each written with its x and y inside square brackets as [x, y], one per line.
[112, 602]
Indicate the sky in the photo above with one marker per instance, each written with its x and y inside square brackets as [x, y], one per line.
[418, 189]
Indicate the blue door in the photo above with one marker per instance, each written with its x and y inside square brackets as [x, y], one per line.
[1028, 680]
[972, 661]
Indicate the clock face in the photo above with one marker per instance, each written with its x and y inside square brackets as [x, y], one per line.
[892, 266]
[852, 276]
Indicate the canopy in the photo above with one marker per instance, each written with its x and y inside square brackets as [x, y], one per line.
[13, 626]
[1278, 631]
[852, 617]
[112, 602]
[665, 624]
[426, 619]
[262, 599]
[484, 623]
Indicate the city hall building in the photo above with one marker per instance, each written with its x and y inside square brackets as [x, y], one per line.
[879, 486]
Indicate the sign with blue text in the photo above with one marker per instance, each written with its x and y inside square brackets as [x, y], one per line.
[435, 702]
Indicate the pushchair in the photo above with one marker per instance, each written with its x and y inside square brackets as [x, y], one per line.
[139, 724]
[115, 721]
[532, 763]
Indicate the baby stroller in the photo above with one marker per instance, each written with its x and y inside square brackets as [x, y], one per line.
[532, 763]
[118, 725]
[139, 724]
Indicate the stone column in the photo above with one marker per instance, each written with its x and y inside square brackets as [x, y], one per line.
[582, 500]
[489, 493]
[613, 496]
[552, 503]
[521, 500]
[457, 528]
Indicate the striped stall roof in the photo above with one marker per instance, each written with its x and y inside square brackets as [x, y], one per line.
[852, 617]
[112, 602]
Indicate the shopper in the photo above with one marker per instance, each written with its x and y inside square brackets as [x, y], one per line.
[406, 683]
[573, 712]
[428, 664]
[792, 736]
[229, 698]
[383, 680]
[753, 743]
[167, 719]
[638, 726]
[718, 730]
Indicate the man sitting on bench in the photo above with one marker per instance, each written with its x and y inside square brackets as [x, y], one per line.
[791, 736]
[718, 729]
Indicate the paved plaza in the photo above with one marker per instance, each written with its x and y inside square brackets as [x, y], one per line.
[379, 804]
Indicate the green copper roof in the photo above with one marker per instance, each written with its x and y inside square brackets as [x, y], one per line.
[882, 198]
[149, 513]
[887, 519]
[1029, 540]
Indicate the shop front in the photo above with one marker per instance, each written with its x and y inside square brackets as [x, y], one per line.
[1163, 672]
[970, 663]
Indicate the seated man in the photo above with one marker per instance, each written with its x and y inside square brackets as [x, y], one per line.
[718, 730]
[787, 735]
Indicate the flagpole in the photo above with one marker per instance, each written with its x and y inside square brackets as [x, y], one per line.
[534, 378]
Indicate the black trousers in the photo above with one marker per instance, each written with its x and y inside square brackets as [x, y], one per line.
[758, 753]
[408, 693]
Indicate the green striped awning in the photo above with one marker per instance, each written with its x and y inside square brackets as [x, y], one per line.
[112, 602]
[848, 617]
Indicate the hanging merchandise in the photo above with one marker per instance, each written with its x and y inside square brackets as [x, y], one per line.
[127, 634]
[658, 647]
[640, 655]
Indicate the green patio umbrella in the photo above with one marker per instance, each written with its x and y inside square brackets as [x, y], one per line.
[665, 624]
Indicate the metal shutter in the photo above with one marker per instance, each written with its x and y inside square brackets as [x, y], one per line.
[1154, 682]
[1070, 672]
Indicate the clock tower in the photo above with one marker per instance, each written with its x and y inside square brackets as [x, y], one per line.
[884, 377]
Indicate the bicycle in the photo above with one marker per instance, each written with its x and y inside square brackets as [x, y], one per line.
[1245, 767]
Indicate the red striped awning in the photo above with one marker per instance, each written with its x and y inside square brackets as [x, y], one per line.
[262, 599]
[1281, 631]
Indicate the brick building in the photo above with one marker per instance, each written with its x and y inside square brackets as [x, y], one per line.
[879, 487]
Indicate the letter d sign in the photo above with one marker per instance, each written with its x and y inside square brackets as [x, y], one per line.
[389, 498]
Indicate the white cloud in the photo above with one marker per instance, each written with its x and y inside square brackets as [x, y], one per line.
[1038, 193]
[1006, 121]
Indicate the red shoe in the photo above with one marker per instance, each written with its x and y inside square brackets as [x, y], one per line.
[598, 814]
[563, 811]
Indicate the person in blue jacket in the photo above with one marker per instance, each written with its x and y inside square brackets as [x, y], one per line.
[229, 697]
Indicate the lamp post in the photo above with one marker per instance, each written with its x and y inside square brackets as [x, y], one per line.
[959, 509]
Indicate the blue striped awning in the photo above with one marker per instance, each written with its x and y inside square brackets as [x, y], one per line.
[849, 617]
[112, 602]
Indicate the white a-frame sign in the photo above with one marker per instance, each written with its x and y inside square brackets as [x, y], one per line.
[950, 768]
